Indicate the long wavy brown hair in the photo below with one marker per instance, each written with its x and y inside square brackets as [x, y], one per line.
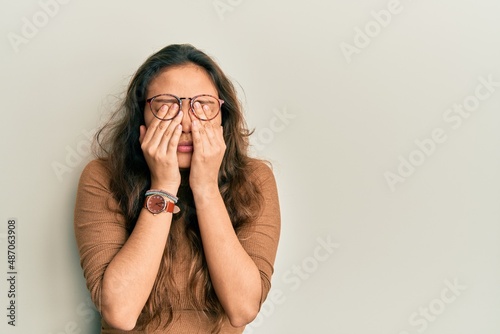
[118, 145]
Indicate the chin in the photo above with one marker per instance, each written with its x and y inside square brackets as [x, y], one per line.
[184, 160]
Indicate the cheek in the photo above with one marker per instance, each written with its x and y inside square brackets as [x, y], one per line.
[148, 117]
[218, 119]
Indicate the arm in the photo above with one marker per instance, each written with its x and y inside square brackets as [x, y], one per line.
[114, 262]
[130, 276]
[240, 265]
[121, 271]
[234, 275]
[240, 268]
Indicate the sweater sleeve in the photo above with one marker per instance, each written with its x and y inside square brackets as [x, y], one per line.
[260, 238]
[99, 226]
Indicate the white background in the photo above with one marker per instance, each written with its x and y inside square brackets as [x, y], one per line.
[350, 119]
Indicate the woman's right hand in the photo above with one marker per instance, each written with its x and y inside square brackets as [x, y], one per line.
[159, 145]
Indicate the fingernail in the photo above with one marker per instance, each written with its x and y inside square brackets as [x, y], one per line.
[195, 122]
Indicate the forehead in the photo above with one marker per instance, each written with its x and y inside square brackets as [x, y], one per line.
[185, 81]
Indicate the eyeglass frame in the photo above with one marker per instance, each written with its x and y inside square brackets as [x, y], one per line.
[191, 106]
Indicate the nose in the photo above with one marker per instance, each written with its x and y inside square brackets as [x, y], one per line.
[186, 119]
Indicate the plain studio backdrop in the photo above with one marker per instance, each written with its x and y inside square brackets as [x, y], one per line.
[379, 117]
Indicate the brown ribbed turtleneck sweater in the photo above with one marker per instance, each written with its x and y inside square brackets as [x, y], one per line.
[100, 233]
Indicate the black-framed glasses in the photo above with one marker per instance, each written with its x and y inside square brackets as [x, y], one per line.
[210, 106]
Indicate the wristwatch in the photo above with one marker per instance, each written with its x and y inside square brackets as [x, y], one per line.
[157, 204]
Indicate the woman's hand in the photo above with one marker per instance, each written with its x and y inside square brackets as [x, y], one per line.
[208, 151]
[159, 144]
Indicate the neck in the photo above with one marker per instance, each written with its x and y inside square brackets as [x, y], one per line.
[184, 176]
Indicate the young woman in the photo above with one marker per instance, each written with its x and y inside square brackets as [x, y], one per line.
[176, 225]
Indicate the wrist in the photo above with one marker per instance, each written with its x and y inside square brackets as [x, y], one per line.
[159, 200]
[162, 193]
[168, 187]
[206, 193]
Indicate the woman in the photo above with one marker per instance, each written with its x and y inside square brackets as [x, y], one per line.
[176, 225]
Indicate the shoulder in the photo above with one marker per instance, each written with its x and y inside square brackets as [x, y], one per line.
[260, 170]
[96, 172]
[94, 189]
[96, 165]
[262, 176]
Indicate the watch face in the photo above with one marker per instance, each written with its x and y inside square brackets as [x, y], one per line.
[155, 204]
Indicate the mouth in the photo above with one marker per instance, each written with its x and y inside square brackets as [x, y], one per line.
[185, 147]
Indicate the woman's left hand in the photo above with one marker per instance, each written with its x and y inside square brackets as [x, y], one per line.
[208, 152]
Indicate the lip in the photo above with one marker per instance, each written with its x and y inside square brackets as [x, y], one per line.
[185, 147]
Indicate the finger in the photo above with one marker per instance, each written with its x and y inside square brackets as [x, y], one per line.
[197, 137]
[205, 128]
[159, 127]
[218, 142]
[215, 132]
[219, 138]
[196, 111]
[153, 125]
[174, 142]
[166, 137]
[200, 112]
